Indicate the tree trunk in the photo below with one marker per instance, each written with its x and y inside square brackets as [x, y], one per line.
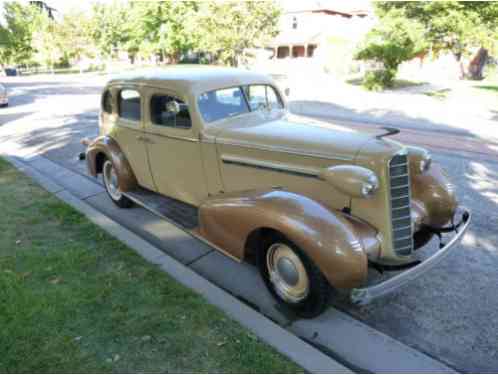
[477, 64]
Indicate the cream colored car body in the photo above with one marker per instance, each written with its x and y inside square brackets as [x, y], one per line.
[270, 149]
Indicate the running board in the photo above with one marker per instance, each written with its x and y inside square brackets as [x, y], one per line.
[182, 214]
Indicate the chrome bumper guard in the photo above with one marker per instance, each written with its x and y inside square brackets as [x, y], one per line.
[363, 296]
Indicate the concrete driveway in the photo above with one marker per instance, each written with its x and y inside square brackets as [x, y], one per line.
[450, 314]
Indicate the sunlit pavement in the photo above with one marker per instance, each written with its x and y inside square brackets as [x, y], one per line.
[449, 314]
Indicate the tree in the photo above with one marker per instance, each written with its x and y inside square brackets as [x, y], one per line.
[17, 33]
[457, 26]
[168, 27]
[73, 37]
[45, 52]
[228, 28]
[393, 41]
[110, 27]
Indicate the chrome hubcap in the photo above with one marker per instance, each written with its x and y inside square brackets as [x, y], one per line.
[287, 273]
[111, 181]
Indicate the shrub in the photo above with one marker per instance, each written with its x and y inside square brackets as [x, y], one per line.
[378, 80]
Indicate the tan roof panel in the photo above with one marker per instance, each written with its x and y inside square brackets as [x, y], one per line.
[194, 78]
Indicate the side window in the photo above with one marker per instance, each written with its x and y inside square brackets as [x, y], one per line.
[107, 102]
[218, 104]
[231, 96]
[169, 111]
[129, 105]
[262, 96]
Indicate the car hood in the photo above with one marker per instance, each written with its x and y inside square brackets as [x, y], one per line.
[290, 133]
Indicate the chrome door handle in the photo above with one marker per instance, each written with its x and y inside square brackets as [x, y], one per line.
[140, 138]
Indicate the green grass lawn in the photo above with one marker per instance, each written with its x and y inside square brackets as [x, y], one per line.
[438, 94]
[74, 299]
[397, 84]
[489, 88]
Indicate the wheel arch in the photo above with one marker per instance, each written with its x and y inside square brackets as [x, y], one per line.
[237, 222]
[105, 147]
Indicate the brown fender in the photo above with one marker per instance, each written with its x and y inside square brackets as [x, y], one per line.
[107, 147]
[434, 190]
[330, 238]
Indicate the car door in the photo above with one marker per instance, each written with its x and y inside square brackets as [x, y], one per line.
[128, 131]
[173, 147]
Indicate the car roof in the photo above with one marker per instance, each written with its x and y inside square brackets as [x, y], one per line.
[194, 78]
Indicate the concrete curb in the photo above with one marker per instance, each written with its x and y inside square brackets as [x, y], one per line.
[299, 351]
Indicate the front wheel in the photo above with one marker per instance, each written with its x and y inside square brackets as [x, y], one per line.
[293, 278]
[112, 186]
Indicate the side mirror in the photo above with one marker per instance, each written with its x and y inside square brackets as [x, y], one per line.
[173, 107]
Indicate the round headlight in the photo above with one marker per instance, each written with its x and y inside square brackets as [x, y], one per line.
[425, 163]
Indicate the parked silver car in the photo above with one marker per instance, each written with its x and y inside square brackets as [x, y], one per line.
[4, 100]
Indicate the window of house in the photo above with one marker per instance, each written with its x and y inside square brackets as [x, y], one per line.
[311, 50]
[161, 112]
[298, 51]
[294, 22]
[282, 52]
[129, 105]
[262, 96]
[107, 102]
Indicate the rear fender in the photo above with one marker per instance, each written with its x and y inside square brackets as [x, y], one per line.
[330, 238]
[105, 146]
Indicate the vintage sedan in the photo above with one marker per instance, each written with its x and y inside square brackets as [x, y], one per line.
[314, 205]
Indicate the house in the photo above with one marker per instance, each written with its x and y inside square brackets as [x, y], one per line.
[320, 34]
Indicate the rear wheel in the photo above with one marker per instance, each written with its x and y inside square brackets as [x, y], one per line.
[293, 278]
[111, 183]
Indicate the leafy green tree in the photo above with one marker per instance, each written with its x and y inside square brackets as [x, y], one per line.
[396, 39]
[456, 26]
[72, 36]
[227, 28]
[168, 27]
[110, 27]
[17, 33]
[45, 52]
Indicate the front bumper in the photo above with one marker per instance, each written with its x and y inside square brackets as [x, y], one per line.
[363, 296]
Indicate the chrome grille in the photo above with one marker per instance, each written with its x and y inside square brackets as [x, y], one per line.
[399, 178]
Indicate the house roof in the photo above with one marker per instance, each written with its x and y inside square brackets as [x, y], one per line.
[332, 7]
[296, 36]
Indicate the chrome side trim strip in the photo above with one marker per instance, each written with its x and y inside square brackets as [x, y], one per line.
[187, 139]
[283, 149]
[247, 162]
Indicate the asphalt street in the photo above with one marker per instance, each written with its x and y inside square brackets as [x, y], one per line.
[449, 314]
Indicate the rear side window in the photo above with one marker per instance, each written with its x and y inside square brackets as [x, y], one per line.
[129, 105]
[107, 102]
[163, 112]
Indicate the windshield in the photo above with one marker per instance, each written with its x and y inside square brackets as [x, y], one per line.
[219, 104]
